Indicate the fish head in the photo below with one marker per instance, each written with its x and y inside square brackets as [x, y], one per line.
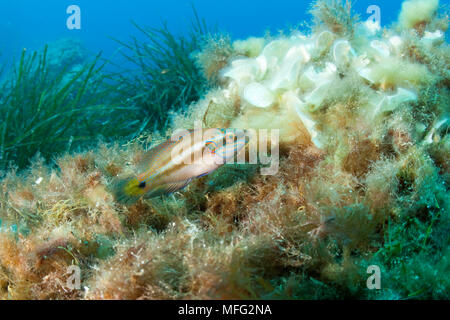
[225, 144]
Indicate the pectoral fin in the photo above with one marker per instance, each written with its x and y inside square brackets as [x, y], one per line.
[177, 186]
[167, 188]
[152, 159]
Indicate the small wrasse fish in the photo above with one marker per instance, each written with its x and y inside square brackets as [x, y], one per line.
[173, 164]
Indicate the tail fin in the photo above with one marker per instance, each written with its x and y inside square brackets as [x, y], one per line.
[127, 191]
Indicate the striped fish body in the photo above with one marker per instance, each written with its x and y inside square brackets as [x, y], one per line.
[173, 164]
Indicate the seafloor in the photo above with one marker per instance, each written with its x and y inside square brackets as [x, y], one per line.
[363, 117]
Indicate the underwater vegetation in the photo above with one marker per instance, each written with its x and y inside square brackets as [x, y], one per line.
[41, 106]
[164, 76]
[53, 101]
[65, 91]
[363, 117]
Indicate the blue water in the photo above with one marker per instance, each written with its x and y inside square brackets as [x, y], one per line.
[31, 23]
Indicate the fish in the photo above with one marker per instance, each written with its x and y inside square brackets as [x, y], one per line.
[173, 164]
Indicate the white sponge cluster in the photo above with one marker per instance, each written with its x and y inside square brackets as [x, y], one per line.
[282, 73]
[415, 12]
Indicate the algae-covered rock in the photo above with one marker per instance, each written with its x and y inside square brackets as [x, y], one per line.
[361, 181]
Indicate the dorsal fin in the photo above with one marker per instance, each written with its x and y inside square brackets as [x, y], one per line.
[152, 157]
[158, 157]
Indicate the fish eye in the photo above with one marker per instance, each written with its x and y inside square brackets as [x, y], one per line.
[142, 185]
[211, 146]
